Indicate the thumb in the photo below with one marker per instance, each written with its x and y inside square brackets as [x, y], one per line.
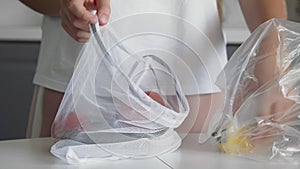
[103, 11]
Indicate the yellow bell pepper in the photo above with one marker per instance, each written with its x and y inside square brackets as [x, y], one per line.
[235, 142]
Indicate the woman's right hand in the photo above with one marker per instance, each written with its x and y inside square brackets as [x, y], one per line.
[76, 16]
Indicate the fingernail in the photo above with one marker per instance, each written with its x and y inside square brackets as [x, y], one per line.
[103, 19]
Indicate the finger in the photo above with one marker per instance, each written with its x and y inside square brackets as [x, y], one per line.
[81, 25]
[283, 107]
[90, 4]
[74, 30]
[78, 39]
[78, 35]
[77, 23]
[77, 8]
[265, 132]
[103, 11]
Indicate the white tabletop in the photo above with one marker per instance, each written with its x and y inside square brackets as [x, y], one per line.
[34, 154]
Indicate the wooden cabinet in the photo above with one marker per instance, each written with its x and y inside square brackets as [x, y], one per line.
[17, 66]
[231, 48]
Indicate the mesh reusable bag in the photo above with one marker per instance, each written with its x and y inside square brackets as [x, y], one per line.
[107, 114]
[261, 117]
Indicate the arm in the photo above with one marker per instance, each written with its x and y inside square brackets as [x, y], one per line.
[47, 7]
[259, 11]
[255, 13]
[266, 68]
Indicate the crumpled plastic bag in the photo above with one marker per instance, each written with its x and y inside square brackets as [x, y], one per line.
[107, 113]
[261, 84]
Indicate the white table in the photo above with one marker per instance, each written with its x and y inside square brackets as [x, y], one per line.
[34, 154]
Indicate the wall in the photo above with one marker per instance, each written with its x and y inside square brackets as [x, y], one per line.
[14, 13]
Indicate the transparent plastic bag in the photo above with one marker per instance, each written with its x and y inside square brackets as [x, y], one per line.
[184, 34]
[109, 113]
[261, 117]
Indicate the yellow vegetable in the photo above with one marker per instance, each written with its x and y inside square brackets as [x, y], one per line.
[235, 141]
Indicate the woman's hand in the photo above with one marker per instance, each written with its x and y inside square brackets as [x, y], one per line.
[77, 15]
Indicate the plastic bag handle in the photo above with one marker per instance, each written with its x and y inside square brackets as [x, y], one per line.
[94, 29]
[132, 86]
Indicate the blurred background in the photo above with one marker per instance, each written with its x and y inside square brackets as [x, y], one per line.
[20, 36]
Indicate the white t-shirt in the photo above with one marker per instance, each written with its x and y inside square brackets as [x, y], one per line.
[57, 57]
[197, 66]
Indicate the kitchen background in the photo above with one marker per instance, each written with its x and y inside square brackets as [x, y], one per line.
[19, 45]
